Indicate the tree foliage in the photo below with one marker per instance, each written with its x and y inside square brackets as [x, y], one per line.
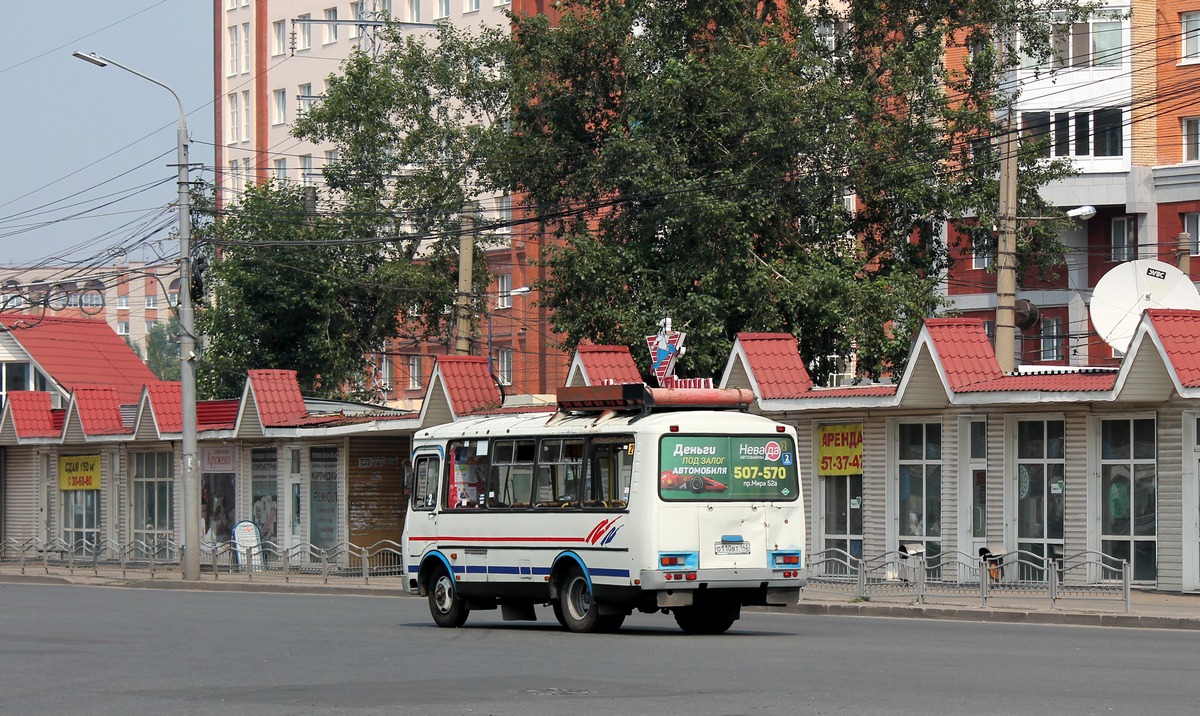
[292, 290]
[702, 152]
[739, 166]
[162, 349]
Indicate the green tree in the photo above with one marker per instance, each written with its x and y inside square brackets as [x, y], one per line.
[700, 154]
[413, 127]
[695, 160]
[162, 349]
[296, 286]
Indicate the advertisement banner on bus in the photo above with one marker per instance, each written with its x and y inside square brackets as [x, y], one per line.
[728, 468]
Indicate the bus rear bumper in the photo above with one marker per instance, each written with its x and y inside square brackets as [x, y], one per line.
[768, 585]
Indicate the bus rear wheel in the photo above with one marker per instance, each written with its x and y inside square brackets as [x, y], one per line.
[701, 620]
[445, 605]
[576, 610]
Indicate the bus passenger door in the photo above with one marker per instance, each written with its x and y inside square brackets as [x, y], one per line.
[421, 528]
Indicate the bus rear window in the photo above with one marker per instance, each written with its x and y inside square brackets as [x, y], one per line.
[735, 468]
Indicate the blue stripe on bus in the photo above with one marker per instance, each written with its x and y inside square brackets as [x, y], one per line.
[505, 569]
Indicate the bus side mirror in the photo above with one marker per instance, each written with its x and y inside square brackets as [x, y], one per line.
[408, 475]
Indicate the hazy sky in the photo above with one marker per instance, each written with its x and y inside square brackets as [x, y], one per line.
[86, 153]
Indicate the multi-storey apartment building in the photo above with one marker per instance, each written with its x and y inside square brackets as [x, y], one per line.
[1118, 104]
[272, 59]
[132, 297]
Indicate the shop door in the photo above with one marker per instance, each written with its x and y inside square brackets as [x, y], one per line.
[81, 520]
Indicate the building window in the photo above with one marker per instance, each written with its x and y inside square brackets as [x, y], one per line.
[385, 370]
[153, 500]
[356, 13]
[919, 489]
[151, 300]
[1191, 224]
[234, 131]
[122, 328]
[1040, 483]
[1086, 44]
[1191, 36]
[331, 157]
[1191, 139]
[279, 34]
[504, 290]
[1129, 495]
[331, 28]
[235, 50]
[414, 10]
[246, 48]
[840, 479]
[1052, 339]
[1123, 238]
[414, 373]
[981, 258]
[306, 169]
[246, 115]
[504, 215]
[281, 169]
[279, 109]
[977, 458]
[1109, 138]
[504, 365]
[92, 297]
[1071, 133]
[443, 9]
[304, 95]
[304, 30]
[122, 302]
[470, 6]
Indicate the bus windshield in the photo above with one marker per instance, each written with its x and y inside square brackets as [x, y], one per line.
[728, 468]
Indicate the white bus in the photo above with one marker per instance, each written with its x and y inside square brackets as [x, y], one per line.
[627, 497]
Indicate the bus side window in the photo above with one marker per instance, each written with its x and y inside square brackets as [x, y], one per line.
[558, 473]
[511, 474]
[425, 474]
[468, 467]
[610, 468]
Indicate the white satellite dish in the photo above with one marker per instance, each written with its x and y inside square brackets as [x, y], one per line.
[1122, 294]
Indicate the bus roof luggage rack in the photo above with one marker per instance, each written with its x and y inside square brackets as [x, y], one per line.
[643, 398]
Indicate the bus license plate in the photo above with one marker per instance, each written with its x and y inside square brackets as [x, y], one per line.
[733, 548]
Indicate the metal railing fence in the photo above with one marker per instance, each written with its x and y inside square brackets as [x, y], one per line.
[1085, 575]
[218, 560]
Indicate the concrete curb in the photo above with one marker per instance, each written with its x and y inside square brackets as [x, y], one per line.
[1002, 616]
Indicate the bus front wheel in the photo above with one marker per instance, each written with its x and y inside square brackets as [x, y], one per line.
[576, 610]
[445, 605]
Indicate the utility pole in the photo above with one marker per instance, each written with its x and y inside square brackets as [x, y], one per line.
[466, 269]
[1006, 239]
[187, 336]
[1006, 251]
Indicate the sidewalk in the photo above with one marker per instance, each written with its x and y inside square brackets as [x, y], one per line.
[1148, 609]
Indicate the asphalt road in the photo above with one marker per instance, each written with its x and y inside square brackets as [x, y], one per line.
[93, 650]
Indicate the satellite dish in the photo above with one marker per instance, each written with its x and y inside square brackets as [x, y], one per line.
[1122, 294]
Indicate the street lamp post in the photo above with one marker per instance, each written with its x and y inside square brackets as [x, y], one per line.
[187, 340]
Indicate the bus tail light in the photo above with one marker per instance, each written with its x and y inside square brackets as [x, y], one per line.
[786, 559]
[678, 560]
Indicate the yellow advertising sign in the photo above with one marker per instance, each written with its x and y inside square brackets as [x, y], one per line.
[839, 449]
[79, 472]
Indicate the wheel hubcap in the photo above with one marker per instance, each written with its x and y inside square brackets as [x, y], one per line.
[579, 598]
[442, 594]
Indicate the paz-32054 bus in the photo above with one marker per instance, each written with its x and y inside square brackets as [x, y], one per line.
[626, 498]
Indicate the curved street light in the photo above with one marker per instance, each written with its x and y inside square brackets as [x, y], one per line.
[187, 340]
